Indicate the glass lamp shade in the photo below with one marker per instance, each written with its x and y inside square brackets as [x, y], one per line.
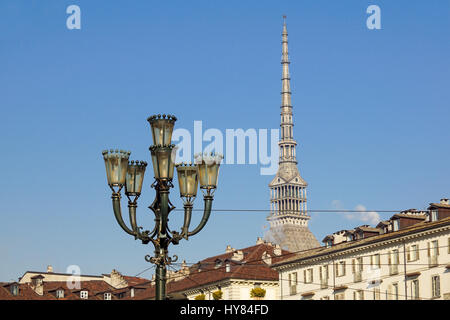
[116, 163]
[135, 178]
[163, 159]
[162, 127]
[208, 170]
[187, 180]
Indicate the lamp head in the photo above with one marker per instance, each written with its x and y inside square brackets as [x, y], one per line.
[162, 128]
[135, 178]
[163, 159]
[116, 164]
[187, 180]
[208, 169]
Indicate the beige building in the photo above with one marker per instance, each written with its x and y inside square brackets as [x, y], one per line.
[404, 258]
[114, 279]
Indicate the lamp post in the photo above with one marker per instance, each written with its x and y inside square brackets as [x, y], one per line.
[121, 172]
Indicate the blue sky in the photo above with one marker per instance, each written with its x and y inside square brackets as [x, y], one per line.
[371, 110]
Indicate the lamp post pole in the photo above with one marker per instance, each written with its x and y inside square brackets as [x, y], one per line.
[121, 173]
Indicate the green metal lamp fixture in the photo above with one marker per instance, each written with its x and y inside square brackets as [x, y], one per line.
[121, 172]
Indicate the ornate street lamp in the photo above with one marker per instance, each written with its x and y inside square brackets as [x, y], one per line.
[121, 172]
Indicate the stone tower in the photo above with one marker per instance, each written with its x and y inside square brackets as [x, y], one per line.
[288, 212]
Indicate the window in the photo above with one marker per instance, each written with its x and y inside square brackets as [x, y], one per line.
[396, 225]
[434, 215]
[358, 295]
[83, 294]
[14, 290]
[433, 253]
[132, 292]
[412, 252]
[339, 296]
[435, 287]
[357, 265]
[340, 269]
[107, 296]
[218, 263]
[308, 276]
[415, 289]
[227, 267]
[293, 283]
[394, 291]
[393, 261]
[376, 294]
[60, 293]
[375, 261]
[323, 274]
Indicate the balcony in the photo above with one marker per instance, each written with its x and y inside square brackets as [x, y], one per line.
[393, 269]
[433, 261]
[357, 276]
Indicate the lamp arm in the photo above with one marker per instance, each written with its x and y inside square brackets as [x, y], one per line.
[187, 220]
[206, 213]
[118, 213]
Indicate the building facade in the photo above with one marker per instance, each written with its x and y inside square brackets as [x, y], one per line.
[408, 257]
[35, 285]
[288, 210]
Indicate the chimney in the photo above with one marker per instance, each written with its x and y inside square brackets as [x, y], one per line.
[229, 249]
[49, 269]
[445, 201]
[259, 240]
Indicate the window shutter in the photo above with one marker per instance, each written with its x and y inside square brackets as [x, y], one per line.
[428, 249]
[389, 258]
[304, 277]
[437, 247]
[320, 273]
[408, 254]
[337, 269]
[353, 265]
[361, 264]
[438, 287]
[343, 267]
[312, 275]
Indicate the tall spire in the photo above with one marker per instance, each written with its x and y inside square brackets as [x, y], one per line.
[286, 88]
[287, 143]
[288, 212]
